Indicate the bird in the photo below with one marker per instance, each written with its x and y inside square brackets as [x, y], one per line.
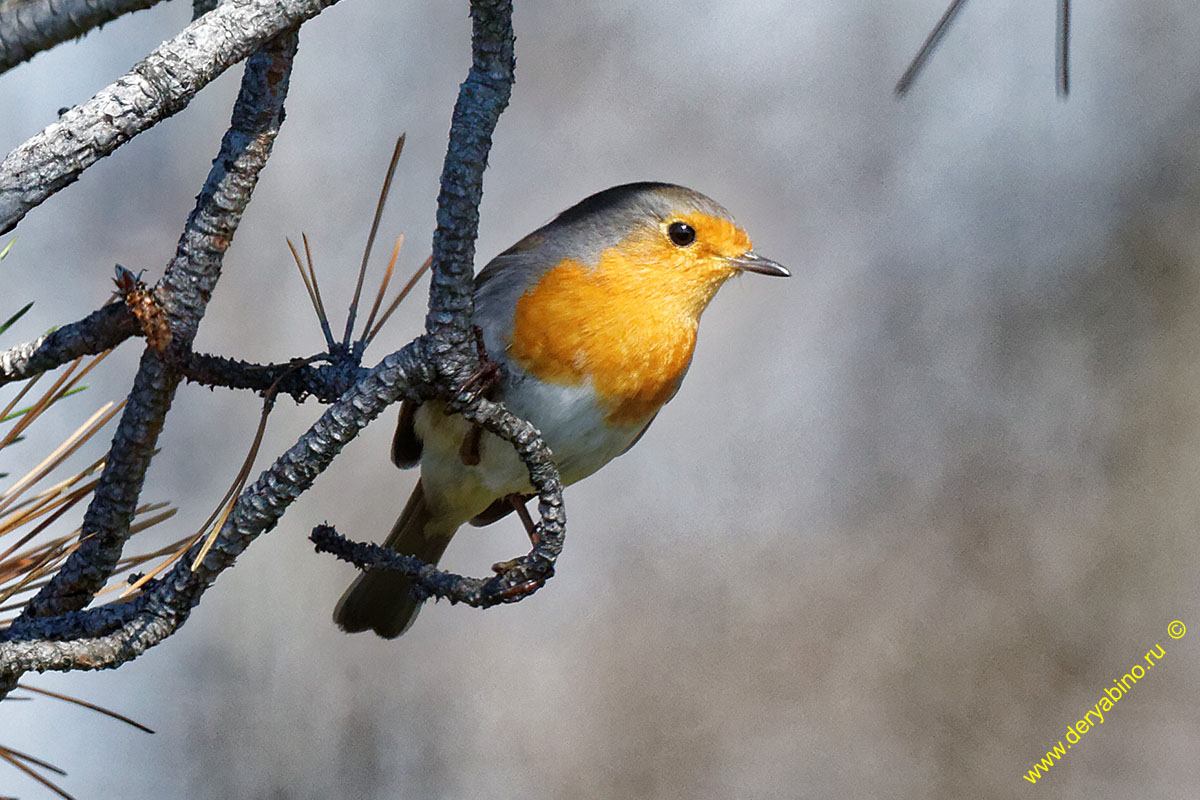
[591, 324]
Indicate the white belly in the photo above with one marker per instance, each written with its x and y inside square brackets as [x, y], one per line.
[571, 424]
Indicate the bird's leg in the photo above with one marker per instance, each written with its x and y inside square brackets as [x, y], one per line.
[517, 501]
[487, 375]
[481, 383]
[469, 451]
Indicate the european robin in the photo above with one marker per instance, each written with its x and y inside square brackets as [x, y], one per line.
[592, 321]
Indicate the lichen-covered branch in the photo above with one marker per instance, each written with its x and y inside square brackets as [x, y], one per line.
[27, 27]
[104, 328]
[183, 292]
[158, 86]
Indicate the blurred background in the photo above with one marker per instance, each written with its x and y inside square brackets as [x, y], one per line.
[911, 513]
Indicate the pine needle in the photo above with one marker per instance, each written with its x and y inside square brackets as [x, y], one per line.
[239, 482]
[53, 395]
[13, 319]
[408, 287]
[312, 274]
[362, 270]
[13, 757]
[383, 285]
[931, 42]
[56, 489]
[312, 295]
[73, 442]
[63, 506]
[92, 706]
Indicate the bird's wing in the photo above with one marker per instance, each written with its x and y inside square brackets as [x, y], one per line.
[406, 445]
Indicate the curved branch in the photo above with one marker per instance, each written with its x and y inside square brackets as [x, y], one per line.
[157, 87]
[183, 293]
[515, 579]
[436, 364]
[27, 27]
[112, 634]
[104, 328]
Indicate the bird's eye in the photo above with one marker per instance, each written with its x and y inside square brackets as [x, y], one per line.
[681, 233]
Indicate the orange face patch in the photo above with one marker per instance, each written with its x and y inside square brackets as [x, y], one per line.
[628, 324]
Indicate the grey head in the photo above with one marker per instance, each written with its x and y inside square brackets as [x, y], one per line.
[602, 220]
[582, 233]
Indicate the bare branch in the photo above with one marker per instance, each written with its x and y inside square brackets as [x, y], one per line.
[112, 324]
[101, 330]
[299, 379]
[112, 634]
[27, 27]
[184, 292]
[516, 579]
[481, 99]
[59, 636]
[156, 88]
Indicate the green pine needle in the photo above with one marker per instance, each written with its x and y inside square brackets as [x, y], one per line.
[16, 414]
[9, 322]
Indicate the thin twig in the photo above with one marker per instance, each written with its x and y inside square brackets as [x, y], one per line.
[326, 382]
[101, 330]
[481, 99]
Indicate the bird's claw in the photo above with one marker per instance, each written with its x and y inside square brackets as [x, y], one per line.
[502, 567]
[487, 376]
[520, 590]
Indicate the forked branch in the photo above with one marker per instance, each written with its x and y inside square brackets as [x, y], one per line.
[53, 634]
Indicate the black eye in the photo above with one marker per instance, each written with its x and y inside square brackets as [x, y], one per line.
[681, 233]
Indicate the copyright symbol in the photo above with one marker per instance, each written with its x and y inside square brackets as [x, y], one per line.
[1176, 630]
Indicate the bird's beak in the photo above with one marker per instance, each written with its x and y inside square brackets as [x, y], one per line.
[751, 261]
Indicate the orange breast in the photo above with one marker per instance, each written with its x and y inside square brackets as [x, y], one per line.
[610, 326]
[628, 323]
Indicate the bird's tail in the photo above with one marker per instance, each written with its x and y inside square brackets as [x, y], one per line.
[380, 600]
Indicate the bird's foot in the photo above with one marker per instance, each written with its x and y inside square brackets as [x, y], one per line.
[487, 376]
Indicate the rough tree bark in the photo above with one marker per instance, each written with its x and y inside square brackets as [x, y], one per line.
[55, 630]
